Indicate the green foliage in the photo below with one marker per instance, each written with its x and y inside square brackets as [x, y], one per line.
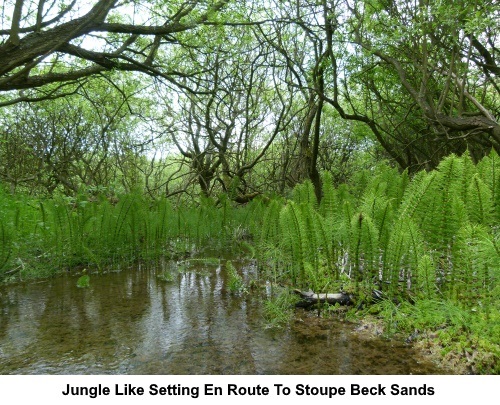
[43, 237]
[424, 314]
[379, 208]
[278, 309]
[426, 279]
[434, 235]
[83, 281]
[5, 245]
[489, 171]
[166, 276]
[293, 239]
[363, 247]
[328, 201]
[417, 197]
[403, 257]
[235, 281]
[479, 202]
[304, 193]
[454, 329]
[446, 213]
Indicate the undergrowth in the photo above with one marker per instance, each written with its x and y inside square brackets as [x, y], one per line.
[423, 253]
[427, 246]
[39, 238]
[436, 235]
[279, 308]
[467, 339]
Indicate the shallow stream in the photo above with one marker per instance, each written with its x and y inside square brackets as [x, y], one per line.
[132, 322]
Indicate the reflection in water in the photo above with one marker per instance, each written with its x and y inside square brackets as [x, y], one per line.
[132, 323]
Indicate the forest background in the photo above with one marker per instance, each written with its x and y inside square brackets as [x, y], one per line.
[343, 144]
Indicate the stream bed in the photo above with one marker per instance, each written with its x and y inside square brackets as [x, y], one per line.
[133, 322]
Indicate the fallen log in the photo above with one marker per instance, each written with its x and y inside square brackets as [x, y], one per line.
[309, 298]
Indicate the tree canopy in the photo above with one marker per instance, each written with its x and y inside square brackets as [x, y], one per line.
[54, 42]
[246, 97]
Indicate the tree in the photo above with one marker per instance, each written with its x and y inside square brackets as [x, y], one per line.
[242, 85]
[442, 57]
[80, 141]
[234, 111]
[51, 43]
[421, 76]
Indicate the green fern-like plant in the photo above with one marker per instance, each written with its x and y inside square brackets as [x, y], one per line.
[363, 247]
[293, 239]
[303, 193]
[328, 205]
[479, 201]
[380, 208]
[464, 276]
[235, 281]
[402, 256]
[83, 281]
[447, 213]
[417, 198]
[468, 170]
[425, 280]
[5, 245]
[489, 170]
[269, 227]
[326, 244]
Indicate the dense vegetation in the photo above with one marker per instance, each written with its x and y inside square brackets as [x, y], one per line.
[344, 145]
[427, 247]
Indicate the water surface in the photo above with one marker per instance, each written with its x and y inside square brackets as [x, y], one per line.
[131, 322]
